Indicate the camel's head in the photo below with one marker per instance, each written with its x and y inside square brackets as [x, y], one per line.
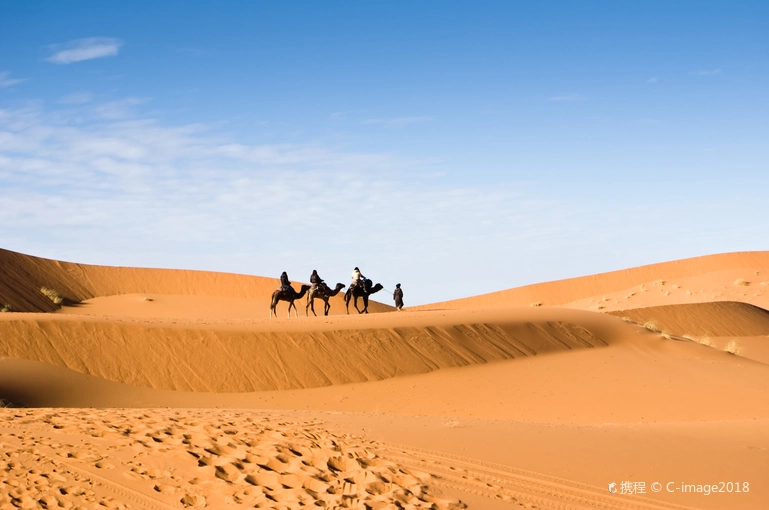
[376, 288]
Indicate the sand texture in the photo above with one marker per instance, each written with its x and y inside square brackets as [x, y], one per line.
[156, 388]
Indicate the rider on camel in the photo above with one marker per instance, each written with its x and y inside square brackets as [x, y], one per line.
[357, 278]
[284, 283]
[316, 280]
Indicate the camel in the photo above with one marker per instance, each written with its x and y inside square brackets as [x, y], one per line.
[289, 295]
[323, 292]
[363, 291]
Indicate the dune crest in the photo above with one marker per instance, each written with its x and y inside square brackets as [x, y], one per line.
[703, 319]
[276, 355]
[24, 276]
[714, 278]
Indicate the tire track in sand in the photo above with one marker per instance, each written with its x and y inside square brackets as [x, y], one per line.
[520, 487]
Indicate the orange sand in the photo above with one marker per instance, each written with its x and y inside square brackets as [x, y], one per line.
[174, 389]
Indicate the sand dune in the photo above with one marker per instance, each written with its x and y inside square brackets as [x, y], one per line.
[703, 319]
[24, 276]
[586, 386]
[486, 402]
[739, 328]
[724, 277]
[278, 354]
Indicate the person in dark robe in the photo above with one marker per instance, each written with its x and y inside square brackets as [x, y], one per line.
[284, 283]
[398, 297]
[316, 280]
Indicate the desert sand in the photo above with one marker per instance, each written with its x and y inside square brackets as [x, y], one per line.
[156, 388]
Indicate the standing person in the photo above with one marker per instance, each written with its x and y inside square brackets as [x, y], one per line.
[284, 283]
[315, 279]
[357, 278]
[398, 297]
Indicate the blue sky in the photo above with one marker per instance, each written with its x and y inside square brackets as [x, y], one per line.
[454, 147]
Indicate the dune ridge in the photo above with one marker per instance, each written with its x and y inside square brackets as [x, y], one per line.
[273, 355]
[723, 318]
[563, 292]
[24, 275]
[738, 328]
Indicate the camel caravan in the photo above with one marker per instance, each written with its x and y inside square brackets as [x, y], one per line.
[361, 287]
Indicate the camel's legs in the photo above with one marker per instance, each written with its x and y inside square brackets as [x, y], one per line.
[311, 305]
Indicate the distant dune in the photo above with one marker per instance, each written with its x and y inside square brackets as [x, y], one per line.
[712, 274]
[24, 276]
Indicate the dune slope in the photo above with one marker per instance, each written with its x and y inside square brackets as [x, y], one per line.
[24, 276]
[220, 356]
[703, 319]
[563, 292]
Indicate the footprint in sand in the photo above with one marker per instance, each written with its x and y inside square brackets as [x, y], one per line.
[193, 500]
[165, 488]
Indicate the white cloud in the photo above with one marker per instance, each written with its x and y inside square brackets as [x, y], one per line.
[135, 192]
[707, 72]
[117, 109]
[399, 121]
[573, 97]
[128, 190]
[7, 82]
[653, 79]
[84, 49]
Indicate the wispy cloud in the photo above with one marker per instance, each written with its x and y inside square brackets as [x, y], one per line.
[77, 98]
[129, 190]
[567, 98]
[188, 196]
[84, 49]
[7, 82]
[653, 79]
[118, 109]
[707, 72]
[399, 121]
